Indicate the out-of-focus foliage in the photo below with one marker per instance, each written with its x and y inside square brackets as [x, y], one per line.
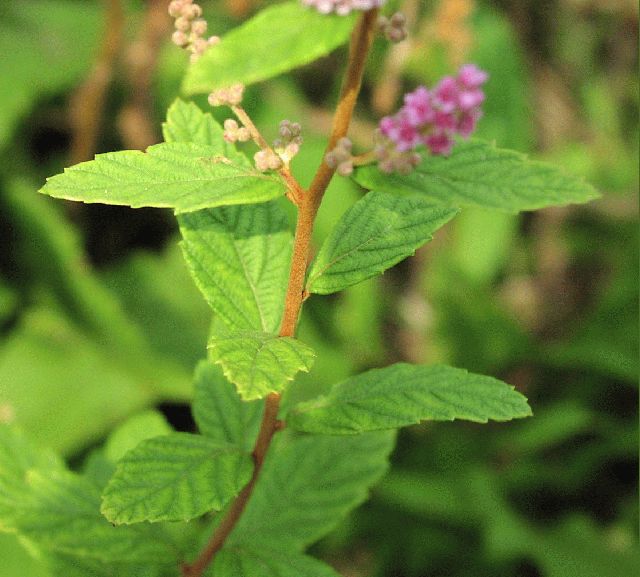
[99, 319]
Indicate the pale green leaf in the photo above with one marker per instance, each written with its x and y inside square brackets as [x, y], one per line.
[239, 257]
[308, 484]
[219, 411]
[479, 174]
[61, 512]
[182, 176]
[377, 232]
[54, 52]
[18, 459]
[72, 566]
[187, 123]
[277, 39]
[259, 363]
[237, 561]
[132, 432]
[176, 477]
[402, 395]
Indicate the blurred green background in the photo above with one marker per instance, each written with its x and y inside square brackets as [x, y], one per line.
[99, 319]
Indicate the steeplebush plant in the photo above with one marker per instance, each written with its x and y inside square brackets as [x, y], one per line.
[265, 477]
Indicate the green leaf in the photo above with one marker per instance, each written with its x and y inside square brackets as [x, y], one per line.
[402, 395]
[479, 174]
[185, 177]
[307, 484]
[277, 39]
[377, 232]
[239, 258]
[63, 515]
[219, 411]
[259, 363]
[130, 434]
[261, 562]
[55, 52]
[187, 123]
[174, 478]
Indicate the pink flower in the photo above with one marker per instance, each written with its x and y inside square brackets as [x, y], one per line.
[470, 76]
[433, 118]
[418, 107]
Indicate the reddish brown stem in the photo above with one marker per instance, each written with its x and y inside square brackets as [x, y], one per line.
[361, 40]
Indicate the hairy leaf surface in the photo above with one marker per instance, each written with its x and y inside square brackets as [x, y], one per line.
[182, 176]
[259, 363]
[239, 258]
[402, 394]
[277, 39]
[237, 561]
[307, 485]
[377, 232]
[479, 174]
[174, 478]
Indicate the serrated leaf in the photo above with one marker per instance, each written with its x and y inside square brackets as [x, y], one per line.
[307, 484]
[61, 513]
[187, 123]
[402, 395]
[263, 562]
[277, 39]
[479, 174]
[176, 477]
[219, 411]
[182, 176]
[377, 232]
[239, 258]
[259, 363]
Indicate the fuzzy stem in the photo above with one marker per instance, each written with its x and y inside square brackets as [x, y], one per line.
[361, 41]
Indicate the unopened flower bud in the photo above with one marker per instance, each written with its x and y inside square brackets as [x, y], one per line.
[394, 28]
[340, 157]
[179, 38]
[182, 24]
[213, 40]
[231, 96]
[175, 8]
[192, 11]
[199, 27]
[267, 160]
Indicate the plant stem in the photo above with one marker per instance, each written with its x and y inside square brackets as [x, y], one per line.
[361, 41]
[295, 192]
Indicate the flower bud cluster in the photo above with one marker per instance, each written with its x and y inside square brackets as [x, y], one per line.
[343, 7]
[231, 96]
[289, 141]
[394, 28]
[433, 118]
[235, 133]
[190, 28]
[266, 159]
[340, 157]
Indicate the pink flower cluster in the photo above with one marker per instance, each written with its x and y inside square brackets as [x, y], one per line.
[343, 7]
[433, 117]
